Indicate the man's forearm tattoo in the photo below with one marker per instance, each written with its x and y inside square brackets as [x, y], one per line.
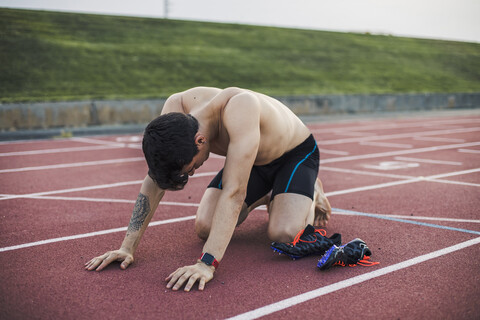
[140, 212]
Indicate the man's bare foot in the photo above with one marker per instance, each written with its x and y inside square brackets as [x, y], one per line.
[322, 206]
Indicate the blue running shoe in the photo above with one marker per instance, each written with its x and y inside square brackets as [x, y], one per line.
[308, 241]
[351, 254]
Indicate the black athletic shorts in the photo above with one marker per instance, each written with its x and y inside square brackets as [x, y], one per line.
[294, 172]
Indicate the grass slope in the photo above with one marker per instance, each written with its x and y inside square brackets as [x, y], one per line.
[49, 56]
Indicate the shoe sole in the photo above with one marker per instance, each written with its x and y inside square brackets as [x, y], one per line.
[325, 262]
[287, 254]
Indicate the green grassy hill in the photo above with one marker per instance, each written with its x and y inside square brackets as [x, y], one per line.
[50, 56]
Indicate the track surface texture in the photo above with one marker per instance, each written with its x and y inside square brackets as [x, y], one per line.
[408, 186]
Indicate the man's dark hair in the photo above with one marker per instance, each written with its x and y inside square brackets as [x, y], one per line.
[169, 145]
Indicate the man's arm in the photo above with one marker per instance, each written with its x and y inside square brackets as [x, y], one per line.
[145, 206]
[243, 125]
[242, 121]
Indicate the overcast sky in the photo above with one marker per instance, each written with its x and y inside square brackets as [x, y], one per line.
[438, 19]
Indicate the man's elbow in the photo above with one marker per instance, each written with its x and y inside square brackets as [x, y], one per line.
[236, 195]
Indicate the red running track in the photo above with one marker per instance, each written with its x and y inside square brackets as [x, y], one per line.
[409, 187]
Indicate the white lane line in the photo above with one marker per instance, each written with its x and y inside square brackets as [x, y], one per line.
[96, 141]
[353, 133]
[328, 151]
[74, 164]
[33, 141]
[90, 234]
[367, 173]
[461, 183]
[101, 186]
[108, 200]
[412, 217]
[295, 300]
[399, 152]
[59, 150]
[468, 151]
[399, 136]
[439, 139]
[455, 173]
[206, 174]
[191, 204]
[372, 187]
[135, 146]
[437, 126]
[396, 183]
[135, 138]
[109, 143]
[452, 163]
[155, 223]
[395, 176]
[386, 144]
[95, 187]
[386, 126]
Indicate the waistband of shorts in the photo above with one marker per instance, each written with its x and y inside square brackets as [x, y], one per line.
[308, 143]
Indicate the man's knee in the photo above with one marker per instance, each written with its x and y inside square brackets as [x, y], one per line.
[282, 233]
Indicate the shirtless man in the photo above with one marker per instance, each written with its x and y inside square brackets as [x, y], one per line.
[271, 158]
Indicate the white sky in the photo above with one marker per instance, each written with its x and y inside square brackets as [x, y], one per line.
[438, 19]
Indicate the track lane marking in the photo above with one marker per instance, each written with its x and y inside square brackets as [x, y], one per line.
[395, 176]
[432, 178]
[451, 163]
[335, 211]
[403, 220]
[438, 139]
[342, 212]
[399, 136]
[396, 218]
[399, 152]
[95, 187]
[58, 150]
[99, 141]
[263, 208]
[388, 126]
[337, 152]
[342, 132]
[90, 199]
[460, 183]
[468, 150]
[90, 234]
[72, 165]
[101, 186]
[367, 173]
[295, 300]
[386, 144]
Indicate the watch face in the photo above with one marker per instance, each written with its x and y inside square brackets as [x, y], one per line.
[207, 258]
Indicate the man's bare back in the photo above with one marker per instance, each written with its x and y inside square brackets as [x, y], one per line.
[280, 129]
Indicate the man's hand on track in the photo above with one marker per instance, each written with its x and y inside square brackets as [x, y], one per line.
[198, 272]
[104, 260]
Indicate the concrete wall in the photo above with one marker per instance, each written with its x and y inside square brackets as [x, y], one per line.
[350, 104]
[77, 114]
[27, 116]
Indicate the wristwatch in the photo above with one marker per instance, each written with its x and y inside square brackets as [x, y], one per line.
[209, 260]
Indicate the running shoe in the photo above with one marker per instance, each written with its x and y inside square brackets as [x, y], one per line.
[351, 254]
[308, 241]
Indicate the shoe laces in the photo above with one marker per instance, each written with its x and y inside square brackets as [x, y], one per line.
[363, 262]
[300, 233]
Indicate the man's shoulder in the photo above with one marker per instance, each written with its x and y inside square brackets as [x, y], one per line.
[173, 104]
